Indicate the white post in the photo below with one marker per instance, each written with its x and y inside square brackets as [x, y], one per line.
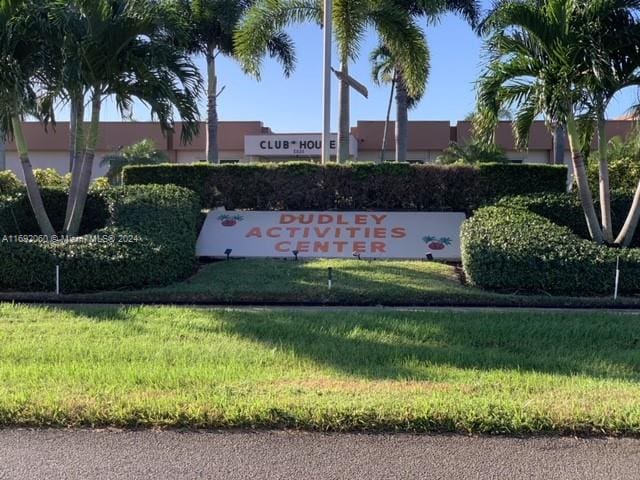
[57, 279]
[615, 291]
[326, 84]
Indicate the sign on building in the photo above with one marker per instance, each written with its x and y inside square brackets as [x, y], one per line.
[332, 234]
[291, 145]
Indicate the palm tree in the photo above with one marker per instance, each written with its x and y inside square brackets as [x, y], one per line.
[25, 55]
[128, 51]
[386, 70]
[213, 23]
[351, 19]
[613, 56]
[534, 52]
[566, 60]
[409, 91]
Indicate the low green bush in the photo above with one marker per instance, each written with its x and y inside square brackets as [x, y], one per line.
[149, 239]
[9, 183]
[355, 186]
[623, 159]
[516, 250]
[16, 214]
[565, 209]
[50, 177]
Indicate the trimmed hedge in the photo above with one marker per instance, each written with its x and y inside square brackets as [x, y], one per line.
[516, 250]
[149, 240]
[355, 186]
[9, 183]
[16, 214]
[565, 209]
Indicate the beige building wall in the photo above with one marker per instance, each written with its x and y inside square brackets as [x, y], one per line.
[427, 139]
[56, 160]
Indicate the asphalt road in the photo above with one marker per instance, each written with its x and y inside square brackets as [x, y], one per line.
[96, 454]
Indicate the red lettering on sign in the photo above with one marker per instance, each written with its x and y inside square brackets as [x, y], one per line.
[254, 232]
[286, 218]
[359, 247]
[360, 219]
[380, 232]
[321, 247]
[340, 246]
[283, 247]
[322, 232]
[274, 232]
[353, 231]
[398, 232]
[378, 218]
[378, 247]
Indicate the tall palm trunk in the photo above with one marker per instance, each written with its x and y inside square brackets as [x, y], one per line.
[401, 120]
[344, 117]
[76, 147]
[3, 151]
[603, 170]
[212, 98]
[387, 119]
[558, 144]
[87, 167]
[33, 191]
[73, 124]
[583, 184]
[631, 223]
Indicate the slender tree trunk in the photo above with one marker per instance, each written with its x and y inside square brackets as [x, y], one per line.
[77, 147]
[387, 119]
[87, 167]
[583, 184]
[603, 170]
[33, 191]
[631, 223]
[212, 97]
[558, 144]
[401, 120]
[3, 151]
[344, 120]
[559, 133]
[73, 114]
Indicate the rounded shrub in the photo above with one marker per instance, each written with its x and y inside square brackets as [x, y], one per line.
[9, 184]
[149, 239]
[16, 214]
[565, 209]
[516, 250]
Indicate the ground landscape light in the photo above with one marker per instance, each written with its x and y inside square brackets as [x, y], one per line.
[429, 256]
[227, 252]
[357, 254]
[295, 254]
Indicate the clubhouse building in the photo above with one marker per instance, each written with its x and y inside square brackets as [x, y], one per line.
[252, 141]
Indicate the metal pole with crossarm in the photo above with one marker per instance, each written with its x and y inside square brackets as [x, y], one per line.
[326, 84]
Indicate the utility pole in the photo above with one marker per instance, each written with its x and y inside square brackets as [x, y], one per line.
[326, 84]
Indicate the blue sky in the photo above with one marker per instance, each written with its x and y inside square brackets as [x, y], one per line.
[294, 104]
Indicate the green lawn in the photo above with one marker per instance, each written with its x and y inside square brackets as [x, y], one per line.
[414, 371]
[382, 282]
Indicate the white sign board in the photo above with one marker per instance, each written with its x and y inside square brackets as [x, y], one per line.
[295, 144]
[331, 234]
